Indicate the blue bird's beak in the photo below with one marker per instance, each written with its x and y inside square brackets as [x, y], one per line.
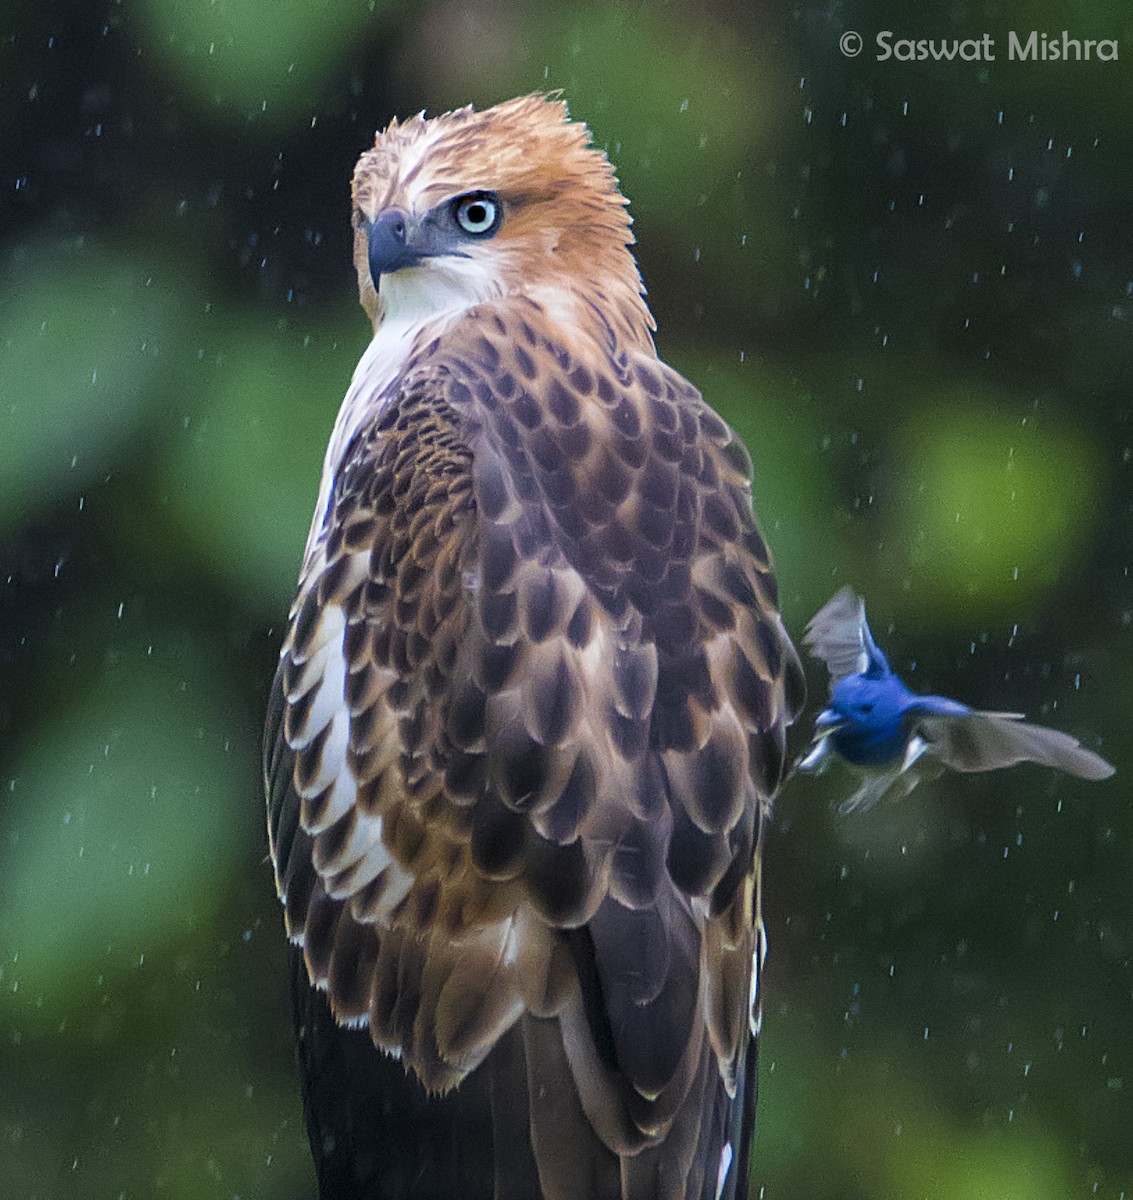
[818, 756]
[828, 720]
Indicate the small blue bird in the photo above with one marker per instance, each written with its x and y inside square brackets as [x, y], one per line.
[896, 738]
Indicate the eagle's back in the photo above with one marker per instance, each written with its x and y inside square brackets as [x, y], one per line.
[525, 733]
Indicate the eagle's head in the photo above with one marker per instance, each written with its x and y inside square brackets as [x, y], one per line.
[466, 207]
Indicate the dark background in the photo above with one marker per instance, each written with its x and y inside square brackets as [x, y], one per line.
[909, 285]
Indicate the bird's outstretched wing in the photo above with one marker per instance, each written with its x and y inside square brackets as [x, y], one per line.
[985, 741]
[525, 732]
[840, 636]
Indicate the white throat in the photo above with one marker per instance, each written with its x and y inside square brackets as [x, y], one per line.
[440, 286]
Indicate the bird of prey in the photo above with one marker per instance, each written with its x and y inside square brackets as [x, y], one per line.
[896, 738]
[531, 706]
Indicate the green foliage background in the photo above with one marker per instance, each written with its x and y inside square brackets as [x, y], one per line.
[910, 287]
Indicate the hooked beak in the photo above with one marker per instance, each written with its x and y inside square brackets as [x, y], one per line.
[392, 243]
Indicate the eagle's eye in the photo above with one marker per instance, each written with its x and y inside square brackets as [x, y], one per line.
[477, 213]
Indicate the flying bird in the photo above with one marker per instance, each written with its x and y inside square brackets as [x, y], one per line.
[530, 710]
[895, 738]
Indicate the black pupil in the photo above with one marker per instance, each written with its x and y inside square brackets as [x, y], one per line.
[476, 214]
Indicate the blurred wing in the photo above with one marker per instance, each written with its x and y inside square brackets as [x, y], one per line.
[526, 728]
[840, 636]
[870, 790]
[875, 785]
[982, 741]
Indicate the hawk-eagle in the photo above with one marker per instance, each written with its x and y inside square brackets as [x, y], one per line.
[531, 706]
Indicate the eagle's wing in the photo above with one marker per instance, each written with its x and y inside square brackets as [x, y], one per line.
[525, 731]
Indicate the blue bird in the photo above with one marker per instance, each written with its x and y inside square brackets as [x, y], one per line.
[896, 738]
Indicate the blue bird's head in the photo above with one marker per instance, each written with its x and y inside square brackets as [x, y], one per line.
[865, 718]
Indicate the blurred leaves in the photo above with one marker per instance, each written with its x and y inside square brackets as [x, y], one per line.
[244, 471]
[82, 333]
[268, 60]
[888, 1137]
[122, 804]
[996, 509]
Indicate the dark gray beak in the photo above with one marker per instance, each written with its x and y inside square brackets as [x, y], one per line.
[391, 246]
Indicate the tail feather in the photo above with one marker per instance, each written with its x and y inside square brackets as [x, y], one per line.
[375, 1132]
[515, 1128]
